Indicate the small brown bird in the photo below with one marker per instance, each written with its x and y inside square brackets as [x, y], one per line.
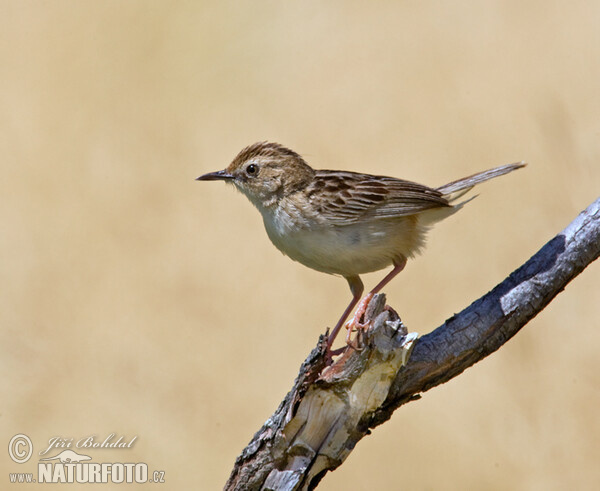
[339, 222]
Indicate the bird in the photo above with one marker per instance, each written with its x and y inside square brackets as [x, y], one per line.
[340, 222]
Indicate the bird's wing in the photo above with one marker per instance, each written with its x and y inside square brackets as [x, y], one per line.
[342, 198]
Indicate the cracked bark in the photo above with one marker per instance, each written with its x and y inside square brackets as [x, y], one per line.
[329, 409]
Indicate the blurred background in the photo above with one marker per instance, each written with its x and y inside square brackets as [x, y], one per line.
[137, 301]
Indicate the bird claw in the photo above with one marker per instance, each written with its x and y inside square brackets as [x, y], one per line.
[356, 324]
[358, 343]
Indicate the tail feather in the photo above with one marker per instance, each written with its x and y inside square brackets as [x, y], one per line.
[455, 189]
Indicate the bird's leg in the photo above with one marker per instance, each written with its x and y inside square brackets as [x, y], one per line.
[355, 322]
[357, 288]
[398, 266]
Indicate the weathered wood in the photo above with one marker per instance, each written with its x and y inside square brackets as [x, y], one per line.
[330, 408]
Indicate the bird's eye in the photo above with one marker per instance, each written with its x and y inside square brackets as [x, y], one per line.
[252, 170]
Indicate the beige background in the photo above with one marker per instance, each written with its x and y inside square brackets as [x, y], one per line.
[137, 301]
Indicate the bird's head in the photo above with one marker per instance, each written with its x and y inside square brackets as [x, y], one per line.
[265, 172]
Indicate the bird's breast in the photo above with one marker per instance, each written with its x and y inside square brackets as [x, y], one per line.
[352, 249]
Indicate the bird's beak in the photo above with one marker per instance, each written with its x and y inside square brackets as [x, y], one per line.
[220, 175]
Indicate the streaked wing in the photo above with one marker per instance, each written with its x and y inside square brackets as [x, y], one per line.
[344, 197]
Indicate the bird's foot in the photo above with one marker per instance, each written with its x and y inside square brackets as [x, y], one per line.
[357, 324]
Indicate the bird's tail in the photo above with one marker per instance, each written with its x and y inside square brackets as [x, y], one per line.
[455, 189]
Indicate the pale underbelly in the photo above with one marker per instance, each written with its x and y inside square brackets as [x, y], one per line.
[351, 250]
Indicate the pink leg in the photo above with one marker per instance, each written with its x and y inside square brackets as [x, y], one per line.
[398, 266]
[362, 306]
[357, 288]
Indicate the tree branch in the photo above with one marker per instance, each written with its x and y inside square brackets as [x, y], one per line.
[330, 409]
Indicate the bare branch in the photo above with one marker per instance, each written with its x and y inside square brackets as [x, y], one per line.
[330, 409]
